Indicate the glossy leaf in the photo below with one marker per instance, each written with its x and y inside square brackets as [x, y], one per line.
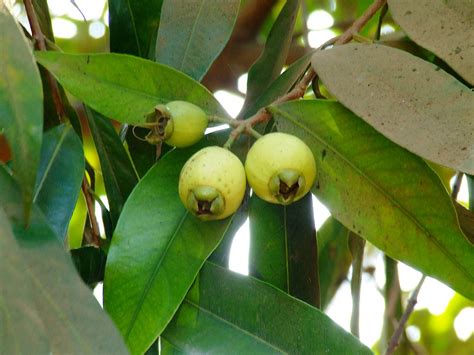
[221, 255]
[380, 191]
[268, 67]
[21, 105]
[444, 27]
[334, 258]
[90, 264]
[156, 253]
[126, 88]
[281, 85]
[193, 33]
[410, 101]
[225, 311]
[133, 26]
[60, 175]
[466, 221]
[60, 306]
[117, 170]
[22, 330]
[283, 250]
[142, 154]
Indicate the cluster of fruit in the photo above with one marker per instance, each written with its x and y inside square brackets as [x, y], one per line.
[279, 168]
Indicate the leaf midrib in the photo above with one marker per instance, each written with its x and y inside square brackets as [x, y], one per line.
[214, 315]
[135, 33]
[55, 155]
[50, 63]
[191, 34]
[153, 277]
[416, 222]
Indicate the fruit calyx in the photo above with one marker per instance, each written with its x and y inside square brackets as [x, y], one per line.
[286, 185]
[205, 201]
[162, 127]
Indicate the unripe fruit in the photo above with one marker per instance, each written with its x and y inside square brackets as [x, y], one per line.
[188, 124]
[212, 183]
[179, 124]
[280, 168]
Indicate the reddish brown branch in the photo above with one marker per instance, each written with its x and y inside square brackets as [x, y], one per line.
[300, 89]
[40, 44]
[401, 325]
[91, 212]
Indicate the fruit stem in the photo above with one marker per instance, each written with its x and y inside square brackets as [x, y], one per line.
[263, 115]
[230, 121]
[253, 132]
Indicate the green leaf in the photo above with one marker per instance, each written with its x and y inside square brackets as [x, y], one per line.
[90, 264]
[126, 88]
[59, 178]
[334, 258]
[22, 330]
[21, 105]
[444, 27]
[156, 252]
[382, 192]
[55, 301]
[133, 26]
[193, 33]
[283, 249]
[284, 83]
[221, 256]
[117, 170]
[143, 154]
[268, 67]
[466, 220]
[225, 311]
[410, 101]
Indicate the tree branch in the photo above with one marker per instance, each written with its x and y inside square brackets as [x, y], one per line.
[40, 44]
[401, 325]
[91, 212]
[300, 89]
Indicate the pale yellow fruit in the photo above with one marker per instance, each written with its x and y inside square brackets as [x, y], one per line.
[280, 168]
[212, 183]
[187, 124]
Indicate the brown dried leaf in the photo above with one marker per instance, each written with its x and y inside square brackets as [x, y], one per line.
[445, 27]
[410, 101]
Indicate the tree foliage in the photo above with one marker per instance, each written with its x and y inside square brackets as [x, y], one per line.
[388, 120]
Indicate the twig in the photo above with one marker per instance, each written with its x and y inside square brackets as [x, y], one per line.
[361, 21]
[40, 43]
[401, 325]
[300, 89]
[91, 212]
[356, 246]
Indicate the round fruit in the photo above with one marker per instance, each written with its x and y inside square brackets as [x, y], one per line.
[188, 123]
[280, 168]
[212, 183]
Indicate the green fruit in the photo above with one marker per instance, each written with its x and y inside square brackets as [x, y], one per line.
[188, 123]
[212, 183]
[280, 168]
